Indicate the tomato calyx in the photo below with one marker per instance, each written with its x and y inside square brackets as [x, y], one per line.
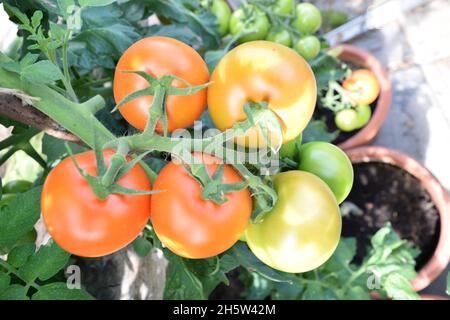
[213, 187]
[258, 113]
[104, 183]
[160, 88]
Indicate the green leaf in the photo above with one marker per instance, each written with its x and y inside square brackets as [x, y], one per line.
[14, 292]
[19, 255]
[95, 3]
[36, 19]
[259, 288]
[181, 282]
[65, 7]
[19, 217]
[313, 292]
[213, 57]
[4, 281]
[317, 131]
[41, 72]
[328, 68]
[199, 25]
[248, 260]
[399, 288]
[45, 263]
[286, 291]
[55, 148]
[103, 37]
[13, 11]
[344, 253]
[357, 293]
[142, 246]
[60, 291]
[29, 59]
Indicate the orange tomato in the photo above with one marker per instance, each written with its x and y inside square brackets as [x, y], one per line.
[160, 56]
[191, 226]
[81, 223]
[362, 86]
[263, 71]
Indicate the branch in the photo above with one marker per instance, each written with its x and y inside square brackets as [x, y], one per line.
[13, 108]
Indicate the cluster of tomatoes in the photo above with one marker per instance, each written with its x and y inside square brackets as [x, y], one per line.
[298, 234]
[280, 21]
[362, 88]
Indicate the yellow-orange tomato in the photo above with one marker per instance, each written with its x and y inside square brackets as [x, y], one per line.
[191, 226]
[160, 56]
[81, 223]
[362, 86]
[263, 71]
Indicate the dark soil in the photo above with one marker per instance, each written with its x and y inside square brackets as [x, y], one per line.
[387, 193]
[328, 115]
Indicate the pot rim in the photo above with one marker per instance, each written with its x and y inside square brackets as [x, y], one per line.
[366, 60]
[441, 256]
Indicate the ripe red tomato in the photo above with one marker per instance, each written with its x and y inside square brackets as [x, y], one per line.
[159, 56]
[81, 223]
[362, 86]
[191, 226]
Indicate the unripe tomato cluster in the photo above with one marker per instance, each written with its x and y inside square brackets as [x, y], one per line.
[363, 88]
[282, 21]
[301, 230]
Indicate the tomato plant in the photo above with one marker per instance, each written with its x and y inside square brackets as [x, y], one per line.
[362, 86]
[191, 226]
[150, 55]
[308, 47]
[85, 225]
[306, 221]
[76, 64]
[283, 7]
[281, 36]
[330, 164]
[223, 13]
[251, 21]
[308, 18]
[255, 72]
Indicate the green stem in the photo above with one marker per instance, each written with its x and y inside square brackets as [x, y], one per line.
[66, 80]
[116, 163]
[77, 119]
[7, 155]
[156, 110]
[29, 150]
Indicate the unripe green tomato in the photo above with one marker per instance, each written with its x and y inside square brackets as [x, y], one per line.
[260, 24]
[363, 113]
[308, 47]
[308, 18]
[223, 13]
[346, 120]
[330, 164]
[281, 36]
[302, 230]
[283, 7]
[17, 186]
[333, 19]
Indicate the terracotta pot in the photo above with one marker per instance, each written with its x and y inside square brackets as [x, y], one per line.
[366, 60]
[441, 256]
